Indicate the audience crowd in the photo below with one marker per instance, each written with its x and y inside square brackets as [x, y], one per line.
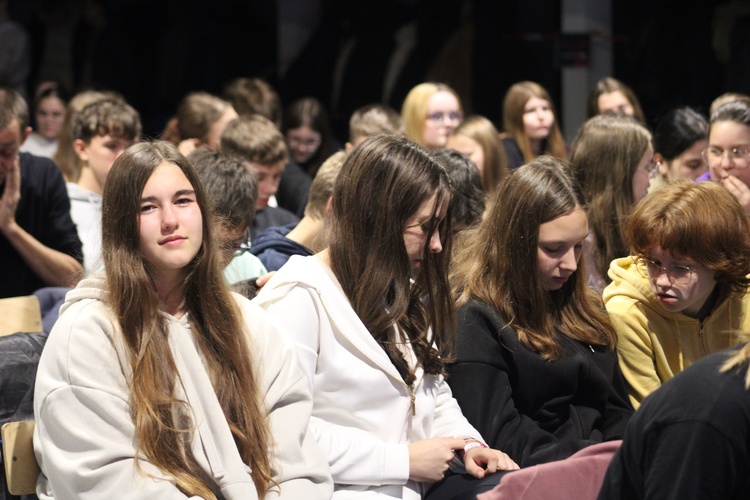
[435, 307]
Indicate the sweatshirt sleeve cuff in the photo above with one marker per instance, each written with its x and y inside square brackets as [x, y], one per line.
[396, 463]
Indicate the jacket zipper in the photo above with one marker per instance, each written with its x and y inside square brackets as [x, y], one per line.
[413, 405]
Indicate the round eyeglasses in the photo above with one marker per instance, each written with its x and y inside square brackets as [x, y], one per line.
[739, 157]
[676, 274]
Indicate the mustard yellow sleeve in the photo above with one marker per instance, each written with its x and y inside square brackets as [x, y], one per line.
[635, 346]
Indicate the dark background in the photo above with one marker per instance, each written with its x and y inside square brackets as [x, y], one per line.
[155, 51]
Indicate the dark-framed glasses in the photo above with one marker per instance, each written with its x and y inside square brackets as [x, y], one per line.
[676, 274]
[739, 157]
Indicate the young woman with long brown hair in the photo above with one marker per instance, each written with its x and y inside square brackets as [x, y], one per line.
[613, 161]
[531, 125]
[369, 311]
[157, 381]
[535, 371]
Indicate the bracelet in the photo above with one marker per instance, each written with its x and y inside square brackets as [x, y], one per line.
[472, 444]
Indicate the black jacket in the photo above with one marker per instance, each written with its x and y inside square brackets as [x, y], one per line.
[690, 439]
[536, 411]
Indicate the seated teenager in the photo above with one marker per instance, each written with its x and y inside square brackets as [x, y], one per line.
[233, 190]
[256, 141]
[368, 320]
[536, 370]
[691, 438]
[683, 292]
[276, 244]
[149, 387]
[101, 131]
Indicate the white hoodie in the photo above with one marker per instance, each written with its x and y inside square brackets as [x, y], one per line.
[363, 416]
[84, 437]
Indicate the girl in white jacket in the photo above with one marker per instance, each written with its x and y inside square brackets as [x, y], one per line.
[362, 313]
[151, 385]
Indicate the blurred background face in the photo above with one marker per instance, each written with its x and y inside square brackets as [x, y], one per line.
[615, 103]
[469, 147]
[232, 241]
[268, 177]
[303, 143]
[643, 174]
[100, 154]
[443, 115]
[687, 165]
[537, 118]
[727, 152]
[213, 138]
[50, 115]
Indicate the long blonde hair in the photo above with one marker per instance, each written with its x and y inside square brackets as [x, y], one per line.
[161, 420]
[483, 132]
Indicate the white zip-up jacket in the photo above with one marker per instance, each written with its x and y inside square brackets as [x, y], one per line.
[84, 437]
[363, 417]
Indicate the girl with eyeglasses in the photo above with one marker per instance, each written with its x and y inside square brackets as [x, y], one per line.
[682, 294]
[728, 152]
[531, 126]
[371, 315]
[309, 138]
[431, 111]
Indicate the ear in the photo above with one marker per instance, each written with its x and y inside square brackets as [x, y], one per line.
[26, 133]
[348, 146]
[329, 206]
[81, 149]
[661, 164]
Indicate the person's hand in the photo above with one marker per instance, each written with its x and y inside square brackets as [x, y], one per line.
[429, 458]
[262, 280]
[11, 195]
[739, 189]
[482, 461]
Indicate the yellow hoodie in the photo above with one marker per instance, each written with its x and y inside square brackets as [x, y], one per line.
[654, 344]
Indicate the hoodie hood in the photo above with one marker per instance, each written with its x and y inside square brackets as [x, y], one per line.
[90, 288]
[273, 248]
[275, 238]
[627, 281]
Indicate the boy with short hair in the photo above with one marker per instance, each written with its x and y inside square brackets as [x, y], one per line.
[276, 245]
[256, 141]
[233, 190]
[101, 132]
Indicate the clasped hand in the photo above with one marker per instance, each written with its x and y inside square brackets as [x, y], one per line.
[429, 459]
